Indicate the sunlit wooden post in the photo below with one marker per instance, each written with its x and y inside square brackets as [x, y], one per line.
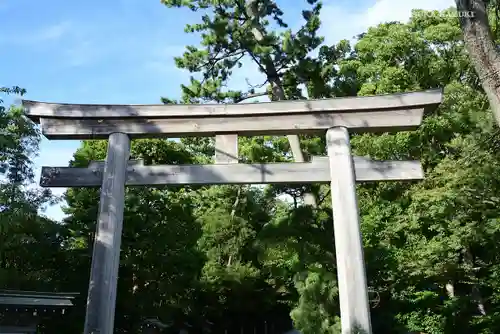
[338, 117]
[101, 298]
[353, 290]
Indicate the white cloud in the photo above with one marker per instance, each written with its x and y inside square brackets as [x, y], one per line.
[394, 10]
[346, 22]
[84, 52]
[161, 59]
[73, 44]
[51, 33]
[342, 22]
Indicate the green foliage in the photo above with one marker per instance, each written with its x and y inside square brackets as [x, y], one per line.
[25, 236]
[243, 257]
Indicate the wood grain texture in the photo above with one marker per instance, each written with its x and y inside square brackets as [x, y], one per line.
[317, 171]
[101, 299]
[366, 121]
[424, 99]
[353, 291]
[99, 165]
[226, 149]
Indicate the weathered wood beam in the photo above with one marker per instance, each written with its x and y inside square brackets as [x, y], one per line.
[99, 164]
[278, 124]
[101, 299]
[316, 171]
[351, 272]
[226, 149]
[424, 99]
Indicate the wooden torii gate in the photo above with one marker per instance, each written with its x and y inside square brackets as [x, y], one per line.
[337, 117]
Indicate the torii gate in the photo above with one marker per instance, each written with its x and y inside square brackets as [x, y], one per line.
[337, 117]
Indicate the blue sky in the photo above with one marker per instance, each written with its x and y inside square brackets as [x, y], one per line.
[121, 51]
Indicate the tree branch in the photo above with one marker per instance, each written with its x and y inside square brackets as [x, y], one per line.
[278, 92]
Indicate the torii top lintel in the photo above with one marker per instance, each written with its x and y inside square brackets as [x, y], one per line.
[380, 113]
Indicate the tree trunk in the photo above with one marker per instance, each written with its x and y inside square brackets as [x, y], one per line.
[278, 93]
[476, 293]
[485, 58]
[450, 289]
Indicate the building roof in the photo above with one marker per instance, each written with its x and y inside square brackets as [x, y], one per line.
[36, 299]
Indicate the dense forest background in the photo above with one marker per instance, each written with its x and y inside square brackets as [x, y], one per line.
[242, 257]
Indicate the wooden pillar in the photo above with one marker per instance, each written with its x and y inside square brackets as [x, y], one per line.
[226, 149]
[101, 300]
[353, 291]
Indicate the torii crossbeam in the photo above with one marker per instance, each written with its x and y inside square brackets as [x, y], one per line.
[337, 117]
